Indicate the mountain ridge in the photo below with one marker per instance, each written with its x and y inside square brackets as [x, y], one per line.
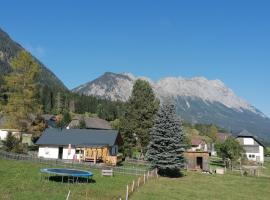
[197, 100]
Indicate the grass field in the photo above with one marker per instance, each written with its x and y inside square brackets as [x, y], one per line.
[266, 168]
[21, 180]
[206, 187]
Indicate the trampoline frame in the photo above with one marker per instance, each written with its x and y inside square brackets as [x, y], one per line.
[71, 176]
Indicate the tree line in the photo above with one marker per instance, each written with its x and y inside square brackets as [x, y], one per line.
[21, 86]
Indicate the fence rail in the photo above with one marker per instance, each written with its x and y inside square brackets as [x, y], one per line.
[136, 161]
[137, 183]
[73, 164]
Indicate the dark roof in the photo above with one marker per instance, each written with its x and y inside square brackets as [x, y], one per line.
[78, 137]
[91, 123]
[245, 133]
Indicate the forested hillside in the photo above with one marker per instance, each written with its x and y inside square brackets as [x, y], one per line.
[53, 94]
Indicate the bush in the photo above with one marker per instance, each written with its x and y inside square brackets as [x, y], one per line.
[12, 144]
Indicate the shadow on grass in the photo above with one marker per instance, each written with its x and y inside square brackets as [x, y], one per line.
[70, 180]
[218, 163]
[171, 173]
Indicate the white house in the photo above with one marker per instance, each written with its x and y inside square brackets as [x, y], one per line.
[253, 147]
[197, 144]
[79, 144]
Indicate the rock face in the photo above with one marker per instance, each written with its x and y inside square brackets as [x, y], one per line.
[110, 86]
[9, 49]
[197, 100]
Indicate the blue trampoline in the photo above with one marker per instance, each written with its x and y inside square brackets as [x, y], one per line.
[72, 174]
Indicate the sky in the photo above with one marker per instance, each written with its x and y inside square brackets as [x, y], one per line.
[80, 40]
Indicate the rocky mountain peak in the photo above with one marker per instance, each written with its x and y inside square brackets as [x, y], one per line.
[197, 100]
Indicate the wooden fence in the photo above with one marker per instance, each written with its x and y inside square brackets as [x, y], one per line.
[137, 183]
[72, 164]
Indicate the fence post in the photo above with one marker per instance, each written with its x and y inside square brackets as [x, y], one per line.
[139, 181]
[143, 178]
[133, 183]
[68, 195]
[127, 193]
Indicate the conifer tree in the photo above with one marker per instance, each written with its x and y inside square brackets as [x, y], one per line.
[10, 142]
[138, 118]
[82, 124]
[167, 142]
[22, 92]
[59, 103]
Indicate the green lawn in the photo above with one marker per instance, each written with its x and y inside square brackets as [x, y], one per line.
[196, 186]
[21, 180]
[266, 168]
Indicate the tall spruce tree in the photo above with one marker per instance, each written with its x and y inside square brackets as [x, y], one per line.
[22, 91]
[138, 118]
[167, 142]
[59, 103]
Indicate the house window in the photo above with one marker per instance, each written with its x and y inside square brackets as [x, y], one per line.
[47, 150]
[251, 156]
[114, 150]
[78, 151]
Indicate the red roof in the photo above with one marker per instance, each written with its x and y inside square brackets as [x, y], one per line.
[196, 141]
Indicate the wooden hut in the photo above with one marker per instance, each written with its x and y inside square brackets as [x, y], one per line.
[197, 160]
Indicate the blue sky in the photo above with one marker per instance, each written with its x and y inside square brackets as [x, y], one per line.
[80, 40]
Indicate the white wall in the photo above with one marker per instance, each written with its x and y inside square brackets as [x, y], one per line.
[48, 152]
[200, 147]
[254, 158]
[248, 141]
[3, 134]
[66, 154]
[260, 155]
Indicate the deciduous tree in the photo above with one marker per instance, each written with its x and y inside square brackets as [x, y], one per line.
[22, 92]
[230, 150]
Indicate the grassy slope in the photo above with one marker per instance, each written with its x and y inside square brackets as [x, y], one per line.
[21, 180]
[206, 187]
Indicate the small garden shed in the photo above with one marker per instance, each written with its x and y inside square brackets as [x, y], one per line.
[197, 160]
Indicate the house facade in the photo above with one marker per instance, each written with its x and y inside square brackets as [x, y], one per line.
[254, 149]
[80, 145]
[197, 160]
